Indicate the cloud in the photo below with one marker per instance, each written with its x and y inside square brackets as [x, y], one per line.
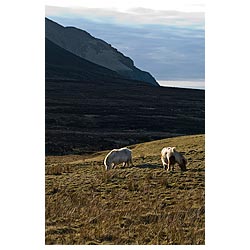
[179, 5]
[132, 16]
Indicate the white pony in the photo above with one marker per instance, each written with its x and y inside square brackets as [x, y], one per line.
[169, 156]
[116, 156]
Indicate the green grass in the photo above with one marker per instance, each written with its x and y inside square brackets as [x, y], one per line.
[143, 204]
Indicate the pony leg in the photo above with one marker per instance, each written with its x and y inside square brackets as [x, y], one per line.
[168, 166]
[164, 164]
[131, 162]
[173, 167]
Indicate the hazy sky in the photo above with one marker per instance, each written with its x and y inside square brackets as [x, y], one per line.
[179, 5]
[166, 38]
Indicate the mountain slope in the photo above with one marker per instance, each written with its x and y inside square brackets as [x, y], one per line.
[95, 50]
[62, 65]
[90, 108]
[85, 117]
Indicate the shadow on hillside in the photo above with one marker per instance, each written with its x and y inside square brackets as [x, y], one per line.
[151, 166]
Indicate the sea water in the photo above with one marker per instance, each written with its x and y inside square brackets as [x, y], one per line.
[183, 84]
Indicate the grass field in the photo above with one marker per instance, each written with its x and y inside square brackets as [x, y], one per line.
[143, 204]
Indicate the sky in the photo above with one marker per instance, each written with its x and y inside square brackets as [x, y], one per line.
[165, 38]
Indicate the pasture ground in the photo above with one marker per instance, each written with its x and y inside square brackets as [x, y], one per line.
[142, 205]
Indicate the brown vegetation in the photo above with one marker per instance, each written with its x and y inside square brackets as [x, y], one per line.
[143, 204]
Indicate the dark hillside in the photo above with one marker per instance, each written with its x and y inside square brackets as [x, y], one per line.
[85, 116]
[61, 64]
[91, 108]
